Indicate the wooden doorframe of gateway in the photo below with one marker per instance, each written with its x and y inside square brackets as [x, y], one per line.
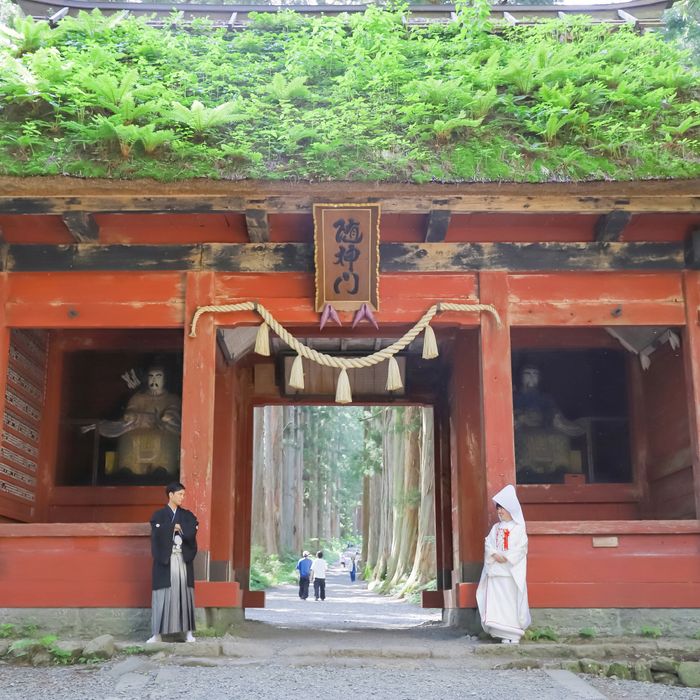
[437, 398]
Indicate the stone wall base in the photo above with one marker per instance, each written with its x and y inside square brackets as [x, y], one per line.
[613, 622]
[122, 623]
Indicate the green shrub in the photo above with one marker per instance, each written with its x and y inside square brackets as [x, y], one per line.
[7, 629]
[587, 633]
[649, 631]
[536, 634]
[133, 650]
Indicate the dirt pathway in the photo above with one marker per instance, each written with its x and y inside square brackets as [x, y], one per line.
[348, 606]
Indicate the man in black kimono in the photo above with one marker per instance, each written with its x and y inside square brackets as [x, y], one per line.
[173, 547]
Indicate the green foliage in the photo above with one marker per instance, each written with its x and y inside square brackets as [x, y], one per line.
[26, 646]
[415, 595]
[535, 634]
[136, 649]
[683, 25]
[359, 97]
[336, 452]
[25, 35]
[268, 570]
[60, 656]
[587, 633]
[202, 119]
[650, 631]
[7, 629]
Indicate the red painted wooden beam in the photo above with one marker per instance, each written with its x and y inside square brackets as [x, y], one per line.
[691, 357]
[497, 388]
[197, 441]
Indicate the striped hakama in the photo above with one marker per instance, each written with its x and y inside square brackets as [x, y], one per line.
[173, 608]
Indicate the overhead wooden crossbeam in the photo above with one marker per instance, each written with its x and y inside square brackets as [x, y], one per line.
[438, 223]
[258, 225]
[609, 227]
[82, 226]
[628, 17]
[58, 16]
[298, 257]
[60, 195]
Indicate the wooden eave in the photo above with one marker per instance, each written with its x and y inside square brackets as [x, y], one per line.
[643, 14]
[57, 195]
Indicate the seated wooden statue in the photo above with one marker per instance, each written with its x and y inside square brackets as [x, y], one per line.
[542, 434]
[149, 432]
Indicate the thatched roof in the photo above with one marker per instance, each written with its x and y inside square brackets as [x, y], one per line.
[376, 95]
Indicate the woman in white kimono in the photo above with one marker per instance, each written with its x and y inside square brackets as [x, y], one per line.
[502, 592]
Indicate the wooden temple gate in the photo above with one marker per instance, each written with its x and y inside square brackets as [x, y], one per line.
[87, 269]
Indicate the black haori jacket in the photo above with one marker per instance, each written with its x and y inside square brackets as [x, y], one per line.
[162, 529]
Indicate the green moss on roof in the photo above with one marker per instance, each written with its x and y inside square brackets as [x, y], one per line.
[359, 97]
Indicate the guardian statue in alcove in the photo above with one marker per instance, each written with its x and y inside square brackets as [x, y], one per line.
[149, 432]
[542, 434]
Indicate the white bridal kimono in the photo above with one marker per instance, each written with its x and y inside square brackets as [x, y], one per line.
[502, 592]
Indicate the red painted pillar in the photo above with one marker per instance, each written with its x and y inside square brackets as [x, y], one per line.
[496, 387]
[691, 357]
[197, 441]
[466, 459]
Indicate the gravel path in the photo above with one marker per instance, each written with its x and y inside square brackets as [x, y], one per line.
[347, 606]
[407, 680]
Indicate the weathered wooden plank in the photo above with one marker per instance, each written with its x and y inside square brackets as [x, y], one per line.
[628, 17]
[433, 257]
[120, 203]
[258, 226]
[613, 527]
[438, 223]
[48, 258]
[258, 257]
[609, 227]
[394, 257]
[407, 200]
[82, 226]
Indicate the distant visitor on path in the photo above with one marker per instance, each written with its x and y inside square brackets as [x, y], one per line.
[304, 569]
[502, 592]
[173, 546]
[318, 576]
[353, 567]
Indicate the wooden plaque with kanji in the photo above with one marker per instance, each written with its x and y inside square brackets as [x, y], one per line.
[346, 249]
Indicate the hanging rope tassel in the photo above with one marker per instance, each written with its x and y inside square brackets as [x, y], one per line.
[430, 348]
[262, 340]
[393, 377]
[342, 391]
[296, 376]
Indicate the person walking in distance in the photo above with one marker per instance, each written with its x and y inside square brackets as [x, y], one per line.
[353, 567]
[318, 576]
[304, 569]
